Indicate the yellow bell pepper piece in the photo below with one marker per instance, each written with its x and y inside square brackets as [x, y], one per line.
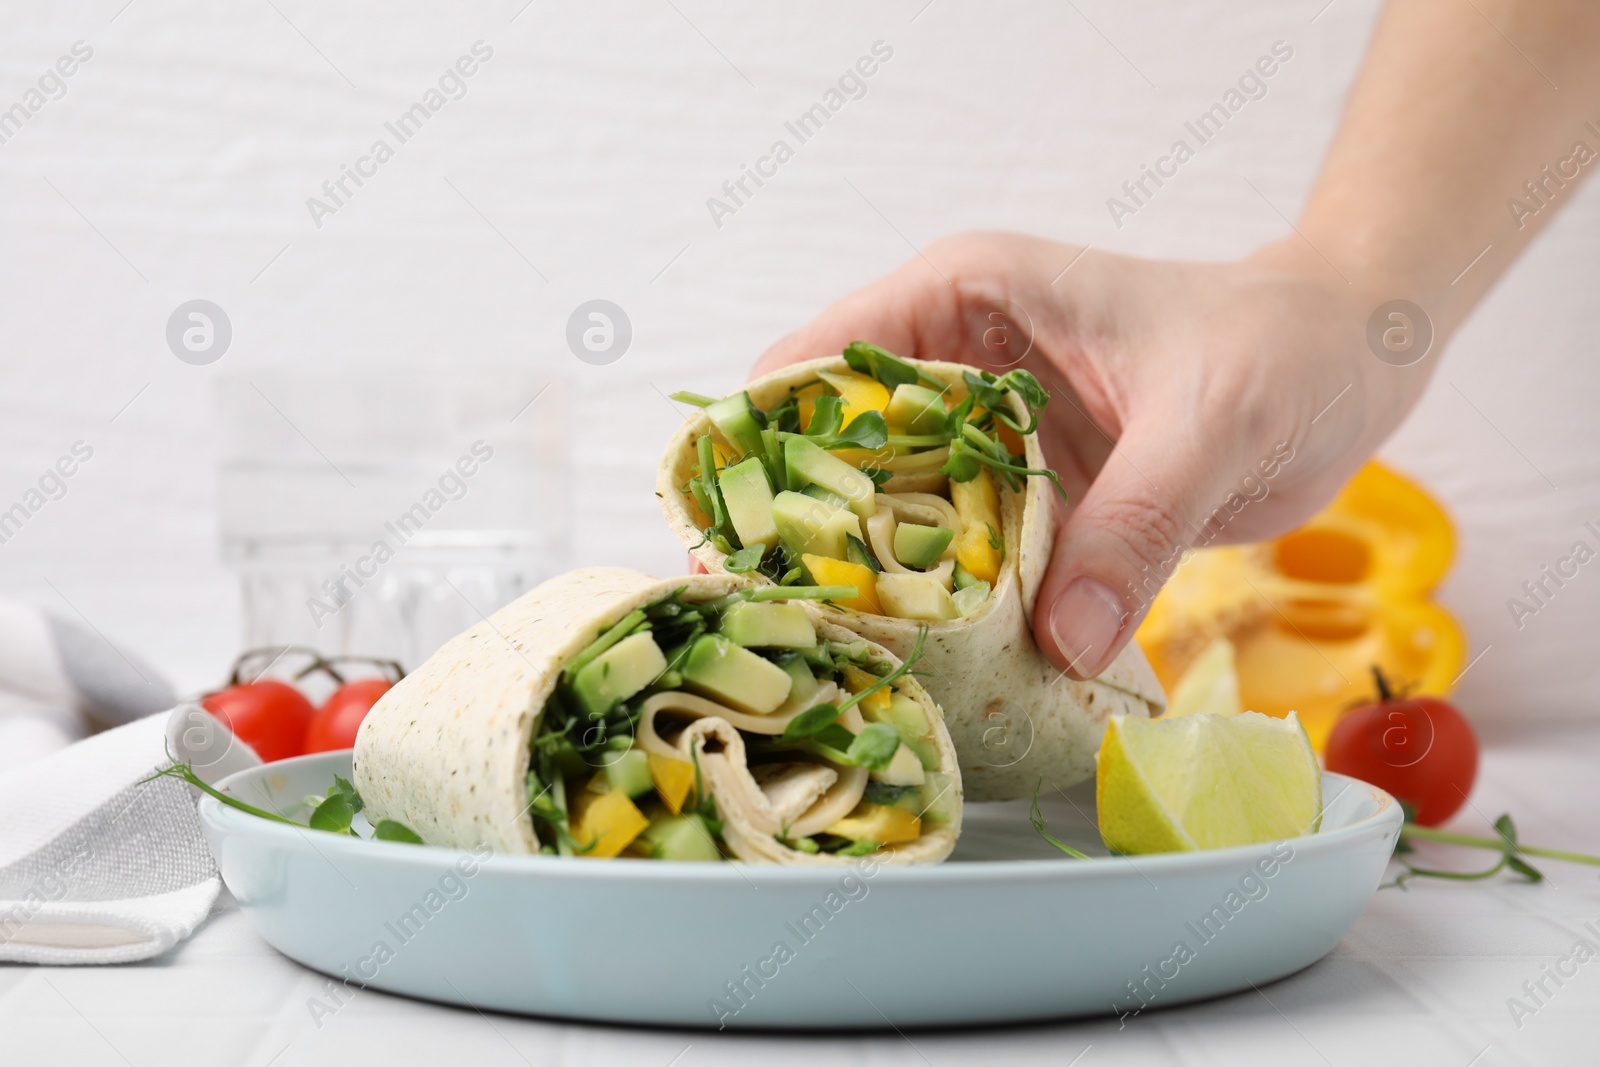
[807, 400]
[1312, 612]
[856, 680]
[859, 393]
[673, 779]
[977, 502]
[827, 571]
[883, 823]
[610, 821]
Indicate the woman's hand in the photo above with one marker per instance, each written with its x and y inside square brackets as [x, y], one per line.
[1179, 388]
[1191, 403]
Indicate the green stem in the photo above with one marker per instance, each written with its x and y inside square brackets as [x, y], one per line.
[928, 440]
[782, 592]
[183, 772]
[1012, 468]
[624, 627]
[893, 676]
[708, 481]
[1036, 817]
[699, 400]
[1497, 844]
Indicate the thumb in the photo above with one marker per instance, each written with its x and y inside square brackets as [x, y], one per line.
[1121, 543]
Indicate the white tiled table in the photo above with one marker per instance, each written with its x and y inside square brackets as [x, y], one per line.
[1423, 979]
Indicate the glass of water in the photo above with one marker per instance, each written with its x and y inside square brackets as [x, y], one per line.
[379, 512]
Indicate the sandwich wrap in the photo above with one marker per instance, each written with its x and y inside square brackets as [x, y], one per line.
[447, 750]
[1013, 715]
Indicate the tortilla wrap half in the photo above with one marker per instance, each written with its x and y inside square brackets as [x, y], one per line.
[1013, 715]
[446, 751]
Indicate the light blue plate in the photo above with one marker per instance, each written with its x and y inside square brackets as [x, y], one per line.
[1009, 929]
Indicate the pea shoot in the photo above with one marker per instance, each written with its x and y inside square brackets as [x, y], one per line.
[332, 813]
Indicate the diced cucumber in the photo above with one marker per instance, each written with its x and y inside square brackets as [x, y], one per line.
[808, 464]
[908, 797]
[915, 596]
[630, 772]
[768, 625]
[812, 526]
[920, 546]
[723, 671]
[904, 769]
[820, 657]
[964, 577]
[618, 673]
[908, 718]
[747, 494]
[855, 651]
[939, 799]
[971, 598]
[681, 837]
[739, 421]
[827, 496]
[917, 408]
[856, 552]
[803, 683]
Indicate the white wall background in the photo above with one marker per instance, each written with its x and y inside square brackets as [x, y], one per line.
[179, 162]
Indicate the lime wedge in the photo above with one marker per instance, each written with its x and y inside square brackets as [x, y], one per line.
[1210, 686]
[1205, 781]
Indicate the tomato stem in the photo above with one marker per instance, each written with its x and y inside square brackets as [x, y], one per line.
[1384, 692]
[320, 664]
[1497, 844]
[236, 677]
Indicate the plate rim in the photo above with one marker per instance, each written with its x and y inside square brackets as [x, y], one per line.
[1385, 820]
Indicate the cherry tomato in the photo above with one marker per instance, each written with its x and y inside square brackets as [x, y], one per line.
[1419, 748]
[337, 720]
[269, 716]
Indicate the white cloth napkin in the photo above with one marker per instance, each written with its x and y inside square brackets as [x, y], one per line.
[97, 867]
[60, 680]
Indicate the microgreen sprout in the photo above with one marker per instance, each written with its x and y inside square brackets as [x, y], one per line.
[814, 720]
[863, 357]
[1512, 853]
[1036, 817]
[332, 814]
[867, 430]
[699, 400]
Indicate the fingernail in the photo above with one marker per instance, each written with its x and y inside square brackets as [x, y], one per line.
[1085, 623]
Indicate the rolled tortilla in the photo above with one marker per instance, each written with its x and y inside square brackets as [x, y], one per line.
[446, 751]
[1013, 716]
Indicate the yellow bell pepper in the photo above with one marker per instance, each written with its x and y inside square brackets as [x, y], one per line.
[827, 571]
[610, 821]
[977, 503]
[856, 680]
[883, 823]
[1311, 612]
[673, 779]
[858, 393]
[807, 400]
